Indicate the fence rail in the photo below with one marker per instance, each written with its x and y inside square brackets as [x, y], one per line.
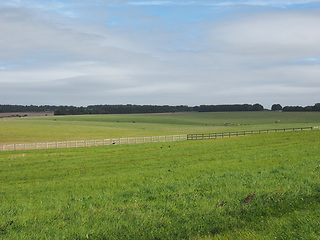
[203, 136]
[90, 143]
[134, 140]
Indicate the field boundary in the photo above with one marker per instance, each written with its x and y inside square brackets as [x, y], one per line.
[91, 143]
[203, 136]
[136, 140]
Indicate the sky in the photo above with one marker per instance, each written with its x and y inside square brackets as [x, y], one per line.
[160, 52]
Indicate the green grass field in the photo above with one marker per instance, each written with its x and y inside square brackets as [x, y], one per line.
[264, 186]
[69, 128]
[255, 187]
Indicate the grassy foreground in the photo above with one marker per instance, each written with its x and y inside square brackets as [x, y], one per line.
[255, 187]
[70, 128]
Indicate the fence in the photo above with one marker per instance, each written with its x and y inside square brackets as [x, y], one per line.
[170, 138]
[89, 143]
[242, 133]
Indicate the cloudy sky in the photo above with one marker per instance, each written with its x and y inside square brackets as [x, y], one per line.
[175, 52]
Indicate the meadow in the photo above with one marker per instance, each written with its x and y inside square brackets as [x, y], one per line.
[86, 127]
[264, 186]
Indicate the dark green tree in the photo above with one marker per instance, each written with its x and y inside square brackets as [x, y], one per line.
[316, 107]
[276, 107]
[257, 107]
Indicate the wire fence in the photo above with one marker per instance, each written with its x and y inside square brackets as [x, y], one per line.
[90, 143]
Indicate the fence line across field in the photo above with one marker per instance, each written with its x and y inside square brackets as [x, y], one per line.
[134, 140]
[203, 136]
[91, 143]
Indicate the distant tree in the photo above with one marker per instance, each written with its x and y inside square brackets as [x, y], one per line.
[308, 108]
[22, 108]
[293, 109]
[316, 107]
[257, 107]
[229, 108]
[276, 107]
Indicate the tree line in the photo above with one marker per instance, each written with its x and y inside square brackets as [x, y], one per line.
[119, 109]
[130, 108]
[22, 108]
[278, 107]
[229, 108]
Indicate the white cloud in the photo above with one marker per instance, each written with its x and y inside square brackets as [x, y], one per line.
[285, 34]
[263, 56]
